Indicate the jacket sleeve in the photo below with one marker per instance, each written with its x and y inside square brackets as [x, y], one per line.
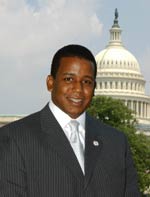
[131, 186]
[12, 168]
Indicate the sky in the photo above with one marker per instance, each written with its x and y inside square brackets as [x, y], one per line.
[33, 30]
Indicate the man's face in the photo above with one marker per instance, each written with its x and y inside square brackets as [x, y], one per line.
[73, 87]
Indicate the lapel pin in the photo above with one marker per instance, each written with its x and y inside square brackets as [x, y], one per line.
[95, 143]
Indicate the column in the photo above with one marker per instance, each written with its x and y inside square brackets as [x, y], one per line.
[103, 86]
[132, 108]
[126, 103]
[141, 109]
[137, 108]
[145, 110]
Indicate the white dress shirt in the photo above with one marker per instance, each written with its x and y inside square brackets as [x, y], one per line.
[63, 119]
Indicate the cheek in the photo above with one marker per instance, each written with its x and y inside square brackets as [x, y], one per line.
[89, 93]
[60, 91]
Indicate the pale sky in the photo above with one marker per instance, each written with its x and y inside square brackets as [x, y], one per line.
[33, 30]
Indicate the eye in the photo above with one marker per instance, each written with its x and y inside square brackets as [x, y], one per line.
[87, 82]
[68, 79]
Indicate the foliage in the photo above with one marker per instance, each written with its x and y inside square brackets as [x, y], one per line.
[111, 111]
[115, 113]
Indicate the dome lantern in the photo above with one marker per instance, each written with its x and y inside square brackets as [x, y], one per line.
[115, 31]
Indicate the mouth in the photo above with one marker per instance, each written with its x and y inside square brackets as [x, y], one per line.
[76, 101]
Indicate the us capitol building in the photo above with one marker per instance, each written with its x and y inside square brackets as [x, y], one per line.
[118, 76]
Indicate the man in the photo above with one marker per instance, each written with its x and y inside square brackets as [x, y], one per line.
[40, 156]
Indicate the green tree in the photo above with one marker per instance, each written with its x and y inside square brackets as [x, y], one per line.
[115, 113]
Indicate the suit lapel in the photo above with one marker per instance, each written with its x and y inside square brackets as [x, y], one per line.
[59, 142]
[93, 146]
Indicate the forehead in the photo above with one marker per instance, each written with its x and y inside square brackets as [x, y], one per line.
[76, 64]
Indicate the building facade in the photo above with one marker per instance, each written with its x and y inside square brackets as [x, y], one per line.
[119, 76]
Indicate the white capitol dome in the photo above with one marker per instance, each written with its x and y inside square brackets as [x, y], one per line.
[118, 59]
[119, 75]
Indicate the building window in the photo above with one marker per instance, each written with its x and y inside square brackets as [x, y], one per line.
[116, 85]
[129, 104]
[100, 85]
[121, 85]
[110, 85]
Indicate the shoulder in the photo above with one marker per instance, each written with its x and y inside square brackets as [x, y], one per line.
[25, 122]
[22, 135]
[27, 127]
[24, 126]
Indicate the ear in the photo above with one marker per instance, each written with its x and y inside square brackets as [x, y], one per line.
[49, 82]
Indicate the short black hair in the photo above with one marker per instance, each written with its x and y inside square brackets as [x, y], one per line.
[72, 50]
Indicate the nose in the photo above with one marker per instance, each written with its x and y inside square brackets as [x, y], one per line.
[77, 86]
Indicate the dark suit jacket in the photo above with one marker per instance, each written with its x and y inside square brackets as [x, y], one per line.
[36, 160]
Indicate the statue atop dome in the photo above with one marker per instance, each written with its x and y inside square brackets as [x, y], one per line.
[116, 14]
[116, 18]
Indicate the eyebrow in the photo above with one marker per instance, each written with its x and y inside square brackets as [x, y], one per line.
[68, 74]
[72, 74]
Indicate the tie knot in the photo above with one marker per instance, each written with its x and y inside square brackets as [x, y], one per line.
[74, 125]
[74, 130]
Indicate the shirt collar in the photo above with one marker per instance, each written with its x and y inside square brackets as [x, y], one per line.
[63, 118]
